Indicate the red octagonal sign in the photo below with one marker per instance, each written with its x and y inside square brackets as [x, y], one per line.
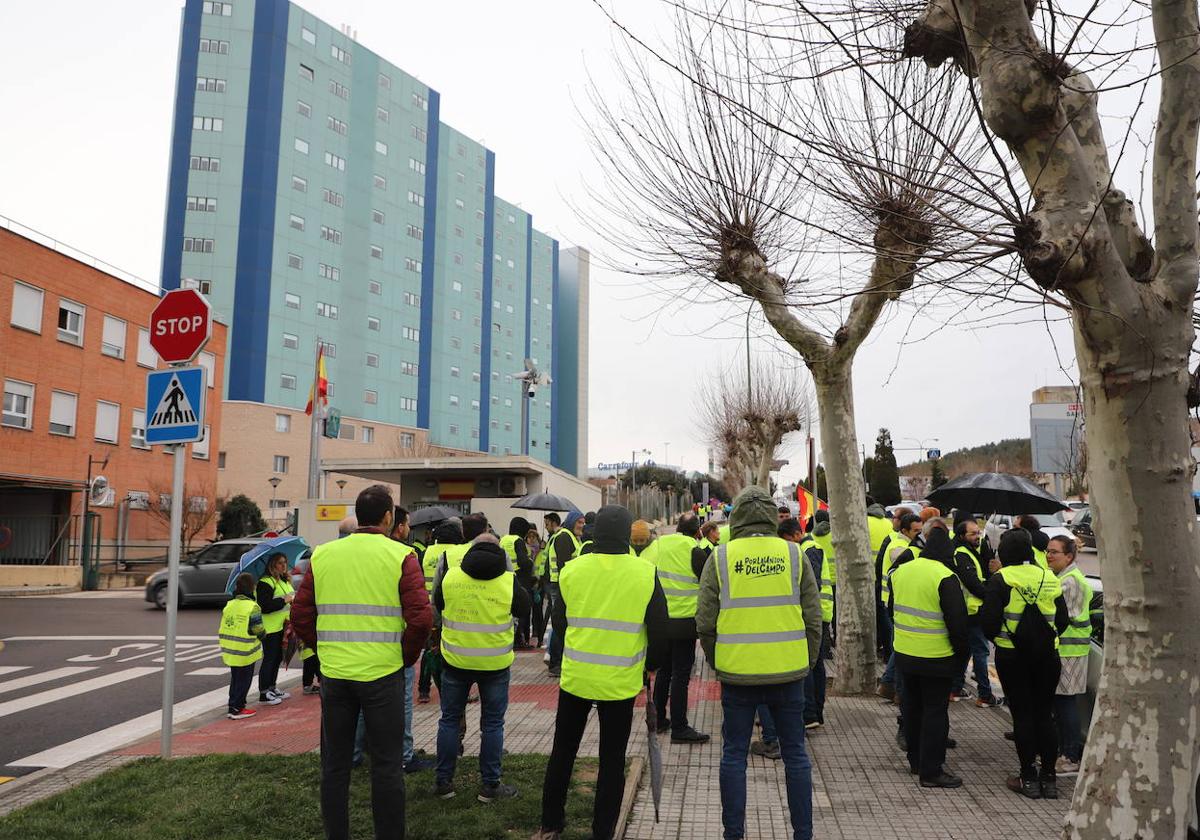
[180, 325]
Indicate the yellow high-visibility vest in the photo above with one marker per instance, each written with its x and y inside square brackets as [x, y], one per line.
[917, 609]
[477, 625]
[238, 645]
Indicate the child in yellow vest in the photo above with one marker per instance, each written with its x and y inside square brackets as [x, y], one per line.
[240, 637]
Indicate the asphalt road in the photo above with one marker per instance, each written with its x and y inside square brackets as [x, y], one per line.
[82, 674]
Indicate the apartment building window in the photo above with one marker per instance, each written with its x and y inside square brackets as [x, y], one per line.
[327, 310]
[456, 285]
[416, 166]
[455, 343]
[146, 355]
[454, 429]
[280, 464]
[340, 54]
[374, 287]
[330, 350]
[458, 231]
[301, 146]
[208, 124]
[455, 372]
[408, 404]
[475, 376]
[198, 245]
[409, 368]
[376, 252]
[411, 333]
[416, 232]
[420, 133]
[385, 81]
[220, 460]
[291, 301]
[220, 9]
[303, 108]
[370, 397]
[209, 85]
[299, 184]
[331, 197]
[454, 400]
[373, 360]
[137, 432]
[287, 382]
[212, 45]
[381, 147]
[509, 263]
[476, 321]
[456, 314]
[475, 349]
[283, 423]
[458, 259]
[18, 405]
[420, 101]
[412, 299]
[338, 89]
[331, 235]
[296, 222]
[306, 73]
[291, 342]
[368, 434]
[507, 403]
[377, 216]
[70, 322]
[108, 421]
[382, 115]
[416, 198]
[295, 261]
[412, 265]
[27, 307]
[329, 272]
[307, 35]
[203, 163]
[407, 440]
[495, 424]
[62, 413]
[380, 182]
[330, 389]
[495, 401]
[335, 161]
[373, 323]
[204, 287]
[475, 405]
[336, 126]
[112, 339]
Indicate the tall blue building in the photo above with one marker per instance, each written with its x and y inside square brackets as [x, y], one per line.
[316, 196]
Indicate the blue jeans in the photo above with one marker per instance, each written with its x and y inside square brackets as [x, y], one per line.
[889, 671]
[816, 682]
[785, 703]
[980, 653]
[360, 732]
[493, 703]
[769, 735]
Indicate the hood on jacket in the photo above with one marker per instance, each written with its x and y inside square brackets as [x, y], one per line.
[821, 529]
[877, 511]
[448, 533]
[612, 530]
[938, 546]
[572, 518]
[754, 512]
[485, 560]
[518, 526]
[1040, 539]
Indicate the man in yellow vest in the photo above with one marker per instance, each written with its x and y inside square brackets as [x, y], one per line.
[759, 622]
[679, 560]
[445, 535]
[908, 528]
[274, 594]
[710, 535]
[517, 552]
[363, 605]
[812, 544]
[930, 643]
[972, 577]
[565, 545]
[477, 601]
[616, 626]
[1073, 648]
[240, 637]
[879, 528]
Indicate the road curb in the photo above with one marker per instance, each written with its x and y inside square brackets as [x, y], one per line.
[24, 591]
[633, 781]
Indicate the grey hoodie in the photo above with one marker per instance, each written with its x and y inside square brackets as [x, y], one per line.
[755, 514]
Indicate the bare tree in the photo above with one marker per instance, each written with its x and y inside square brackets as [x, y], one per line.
[748, 423]
[1131, 305]
[200, 506]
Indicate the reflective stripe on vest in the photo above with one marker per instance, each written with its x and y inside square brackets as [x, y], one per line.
[1075, 640]
[606, 596]
[238, 645]
[477, 625]
[672, 556]
[273, 621]
[359, 619]
[1037, 586]
[973, 603]
[760, 625]
[895, 548]
[917, 609]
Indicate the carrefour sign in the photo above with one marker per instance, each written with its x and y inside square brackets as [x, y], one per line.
[622, 465]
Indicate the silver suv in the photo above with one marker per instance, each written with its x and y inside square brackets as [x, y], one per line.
[202, 574]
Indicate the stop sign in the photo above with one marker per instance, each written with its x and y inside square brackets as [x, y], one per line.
[180, 325]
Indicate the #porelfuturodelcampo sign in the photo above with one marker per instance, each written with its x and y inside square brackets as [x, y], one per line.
[175, 405]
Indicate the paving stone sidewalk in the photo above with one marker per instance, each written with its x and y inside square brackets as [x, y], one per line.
[861, 786]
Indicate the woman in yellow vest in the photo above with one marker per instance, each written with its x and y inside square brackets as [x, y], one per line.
[1027, 657]
[240, 636]
[274, 594]
[1073, 648]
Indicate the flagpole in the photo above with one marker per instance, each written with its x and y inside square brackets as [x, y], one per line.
[314, 430]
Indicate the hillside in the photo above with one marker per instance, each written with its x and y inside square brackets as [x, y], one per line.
[1010, 456]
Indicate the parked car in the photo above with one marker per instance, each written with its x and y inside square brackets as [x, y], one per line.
[1052, 524]
[1083, 527]
[301, 569]
[202, 574]
[1074, 507]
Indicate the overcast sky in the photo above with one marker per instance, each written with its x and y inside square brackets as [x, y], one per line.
[86, 96]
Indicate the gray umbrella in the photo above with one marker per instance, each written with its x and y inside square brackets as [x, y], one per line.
[653, 750]
[994, 493]
[430, 515]
[545, 501]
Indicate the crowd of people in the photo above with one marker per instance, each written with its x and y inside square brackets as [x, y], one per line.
[617, 607]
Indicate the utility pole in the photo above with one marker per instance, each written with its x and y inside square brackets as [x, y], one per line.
[314, 431]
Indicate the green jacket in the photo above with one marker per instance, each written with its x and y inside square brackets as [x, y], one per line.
[756, 514]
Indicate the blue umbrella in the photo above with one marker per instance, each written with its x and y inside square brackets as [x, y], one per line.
[254, 561]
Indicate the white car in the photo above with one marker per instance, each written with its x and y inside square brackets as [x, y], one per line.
[1053, 525]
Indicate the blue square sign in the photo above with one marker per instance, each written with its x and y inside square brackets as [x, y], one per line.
[175, 405]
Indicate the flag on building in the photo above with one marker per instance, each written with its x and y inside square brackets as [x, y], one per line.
[321, 385]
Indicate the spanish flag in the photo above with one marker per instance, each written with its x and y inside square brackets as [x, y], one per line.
[809, 504]
[322, 384]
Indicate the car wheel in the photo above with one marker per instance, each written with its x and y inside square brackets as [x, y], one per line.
[160, 596]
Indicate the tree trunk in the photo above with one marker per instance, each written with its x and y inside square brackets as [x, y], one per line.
[1139, 771]
[854, 655]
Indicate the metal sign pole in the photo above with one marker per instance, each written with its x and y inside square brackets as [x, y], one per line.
[168, 695]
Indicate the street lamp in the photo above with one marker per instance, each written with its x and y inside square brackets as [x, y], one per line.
[341, 483]
[633, 465]
[274, 482]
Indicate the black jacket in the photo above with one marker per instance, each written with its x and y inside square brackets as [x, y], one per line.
[524, 569]
[995, 600]
[264, 594]
[965, 569]
[954, 613]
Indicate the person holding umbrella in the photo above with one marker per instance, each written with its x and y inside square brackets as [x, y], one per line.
[616, 628]
[274, 594]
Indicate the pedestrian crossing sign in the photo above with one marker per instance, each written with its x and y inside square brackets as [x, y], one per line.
[175, 405]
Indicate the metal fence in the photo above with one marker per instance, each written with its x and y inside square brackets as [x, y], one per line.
[651, 503]
[45, 540]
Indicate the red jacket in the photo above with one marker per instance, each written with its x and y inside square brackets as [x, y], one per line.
[414, 603]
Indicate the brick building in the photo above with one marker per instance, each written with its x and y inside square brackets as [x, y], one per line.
[74, 353]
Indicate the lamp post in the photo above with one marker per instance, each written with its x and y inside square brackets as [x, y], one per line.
[274, 482]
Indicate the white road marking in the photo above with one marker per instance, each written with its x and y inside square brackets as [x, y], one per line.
[43, 697]
[115, 652]
[8, 669]
[45, 676]
[64, 755]
[209, 672]
[159, 651]
[199, 654]
[209, 638]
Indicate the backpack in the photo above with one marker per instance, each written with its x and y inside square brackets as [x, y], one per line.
[1033, 637]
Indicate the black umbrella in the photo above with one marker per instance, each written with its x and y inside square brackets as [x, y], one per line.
[994, 493]
[430, 515]
[654, 751]
[545, 501]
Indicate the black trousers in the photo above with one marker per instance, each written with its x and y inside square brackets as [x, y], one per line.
[616, 721]
[381, 702]
[672, 680]
[925, 707]
[522, 631]
[1029, 684]
[240, 677]
[268, 673]
[540, 615]
[312, 670]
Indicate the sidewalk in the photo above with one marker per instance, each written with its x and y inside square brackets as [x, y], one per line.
[861, 786]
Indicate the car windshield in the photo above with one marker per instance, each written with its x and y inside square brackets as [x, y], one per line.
[1048, 520]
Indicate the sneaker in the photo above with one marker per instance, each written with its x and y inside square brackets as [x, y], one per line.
[988, 702]
[444, 790]
[418, 763]
[269, 699]
[282, 695]
[814, 724]
[689, 736]
[960, 694]
[1049, 788]
[1065, 767]
[901, 741]
[546, 656]
[490, 793]
[242, 714]
[886, 690]
[663, 725]
[945, 780]
[1029, 788]
[556, 673]
[422, 697]
[546, 834]
[311, 689]
[771, 750]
